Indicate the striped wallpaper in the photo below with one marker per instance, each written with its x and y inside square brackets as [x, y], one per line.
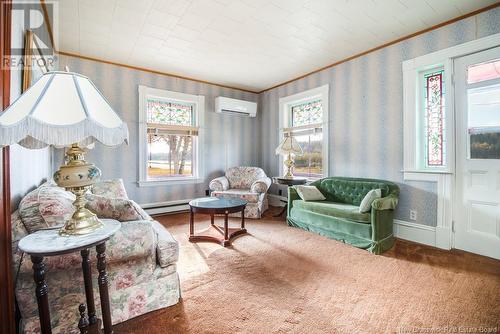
[366, 119]
[228, 141]
[366, 112]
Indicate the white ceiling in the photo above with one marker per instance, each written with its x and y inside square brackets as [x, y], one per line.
[251, 44]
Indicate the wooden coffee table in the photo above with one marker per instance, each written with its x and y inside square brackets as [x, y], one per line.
[216, 206]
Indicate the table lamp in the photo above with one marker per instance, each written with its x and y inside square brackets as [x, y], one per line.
[65, 109]
[287, 147]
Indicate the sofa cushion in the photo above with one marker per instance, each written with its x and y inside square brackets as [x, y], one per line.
[115, 208]
[366, 203]
[243, 177]
[46, 206]
[309, 193]
[244, 194]
[110, 188]
[340, 210]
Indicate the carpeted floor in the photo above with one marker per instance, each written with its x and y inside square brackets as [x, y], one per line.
[280, 279]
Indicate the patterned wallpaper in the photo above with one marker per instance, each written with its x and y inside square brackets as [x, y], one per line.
[228, 141]
[366, 112]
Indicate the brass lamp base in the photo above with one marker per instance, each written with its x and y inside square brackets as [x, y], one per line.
[83, 221]
[288, 163]
[78, 176]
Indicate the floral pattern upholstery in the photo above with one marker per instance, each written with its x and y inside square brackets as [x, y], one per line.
[219, 184]
[110, 188]
[115, 208]
[46, 206]
[260, 186]
[141, 265]
[243, 177]
[244, 194]
[248, 183]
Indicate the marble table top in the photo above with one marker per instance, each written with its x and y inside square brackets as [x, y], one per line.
[48, 242]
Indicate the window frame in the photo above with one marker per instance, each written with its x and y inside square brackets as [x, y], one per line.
[198, 101]
[285, 121]
[414, 115]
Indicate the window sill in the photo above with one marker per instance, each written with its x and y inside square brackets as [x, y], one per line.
[158, 183]
[422, 175]
[424, 171]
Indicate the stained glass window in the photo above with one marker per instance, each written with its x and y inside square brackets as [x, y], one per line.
[434, 119]
[310, 112]
[169, 113]
[484, 71]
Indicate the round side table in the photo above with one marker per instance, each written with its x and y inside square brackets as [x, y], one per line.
[216, 206]
[288, 182]
[48, 242]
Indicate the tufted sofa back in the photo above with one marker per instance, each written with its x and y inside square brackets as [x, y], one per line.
[243, 177]
[351, 190]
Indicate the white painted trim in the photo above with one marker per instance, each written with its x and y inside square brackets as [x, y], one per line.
[445, 178]
[412, 70]
[166, 207]
[321, 92]
[419, 233]
[445, 194]
[453, 52]
[199, 102]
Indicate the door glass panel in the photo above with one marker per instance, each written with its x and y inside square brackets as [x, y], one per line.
[484, 122]
[483, 72]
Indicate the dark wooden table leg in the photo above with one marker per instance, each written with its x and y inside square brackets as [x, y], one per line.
[243, 219]
[83, 323]
[226, 227]
[211, 218]
[103, 288]
[282, 211]
[42, 293]
[191, 222]
[89, 290]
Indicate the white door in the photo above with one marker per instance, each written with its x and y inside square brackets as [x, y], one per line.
[477, 106]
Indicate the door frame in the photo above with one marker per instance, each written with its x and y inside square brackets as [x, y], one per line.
[445, 180]
[7, 309]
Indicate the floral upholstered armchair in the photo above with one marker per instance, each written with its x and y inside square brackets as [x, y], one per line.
[141, 258]
[248, 183]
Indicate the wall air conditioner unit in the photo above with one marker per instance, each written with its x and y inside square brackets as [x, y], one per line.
[225, 105]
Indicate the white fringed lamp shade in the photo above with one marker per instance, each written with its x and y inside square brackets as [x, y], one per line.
[60, 109]
[289, 146]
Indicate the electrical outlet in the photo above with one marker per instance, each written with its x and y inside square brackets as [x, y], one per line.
[280, 192]
[413, 214]
[207, 192]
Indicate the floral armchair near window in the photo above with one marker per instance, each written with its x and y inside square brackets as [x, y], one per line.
[248, 183]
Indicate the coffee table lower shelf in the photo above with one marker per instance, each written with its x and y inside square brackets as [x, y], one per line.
[215, 234]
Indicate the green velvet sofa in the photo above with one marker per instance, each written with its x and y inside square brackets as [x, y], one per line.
[338, 216]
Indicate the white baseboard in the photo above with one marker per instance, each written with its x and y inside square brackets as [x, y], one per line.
[419, 233]
[166, 207]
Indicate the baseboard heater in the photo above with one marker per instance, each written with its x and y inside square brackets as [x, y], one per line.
[166, 207]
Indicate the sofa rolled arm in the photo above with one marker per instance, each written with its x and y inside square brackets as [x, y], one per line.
[385, 203]
[219, 184]
[261, 185]
[167, 248]
[292, 196]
